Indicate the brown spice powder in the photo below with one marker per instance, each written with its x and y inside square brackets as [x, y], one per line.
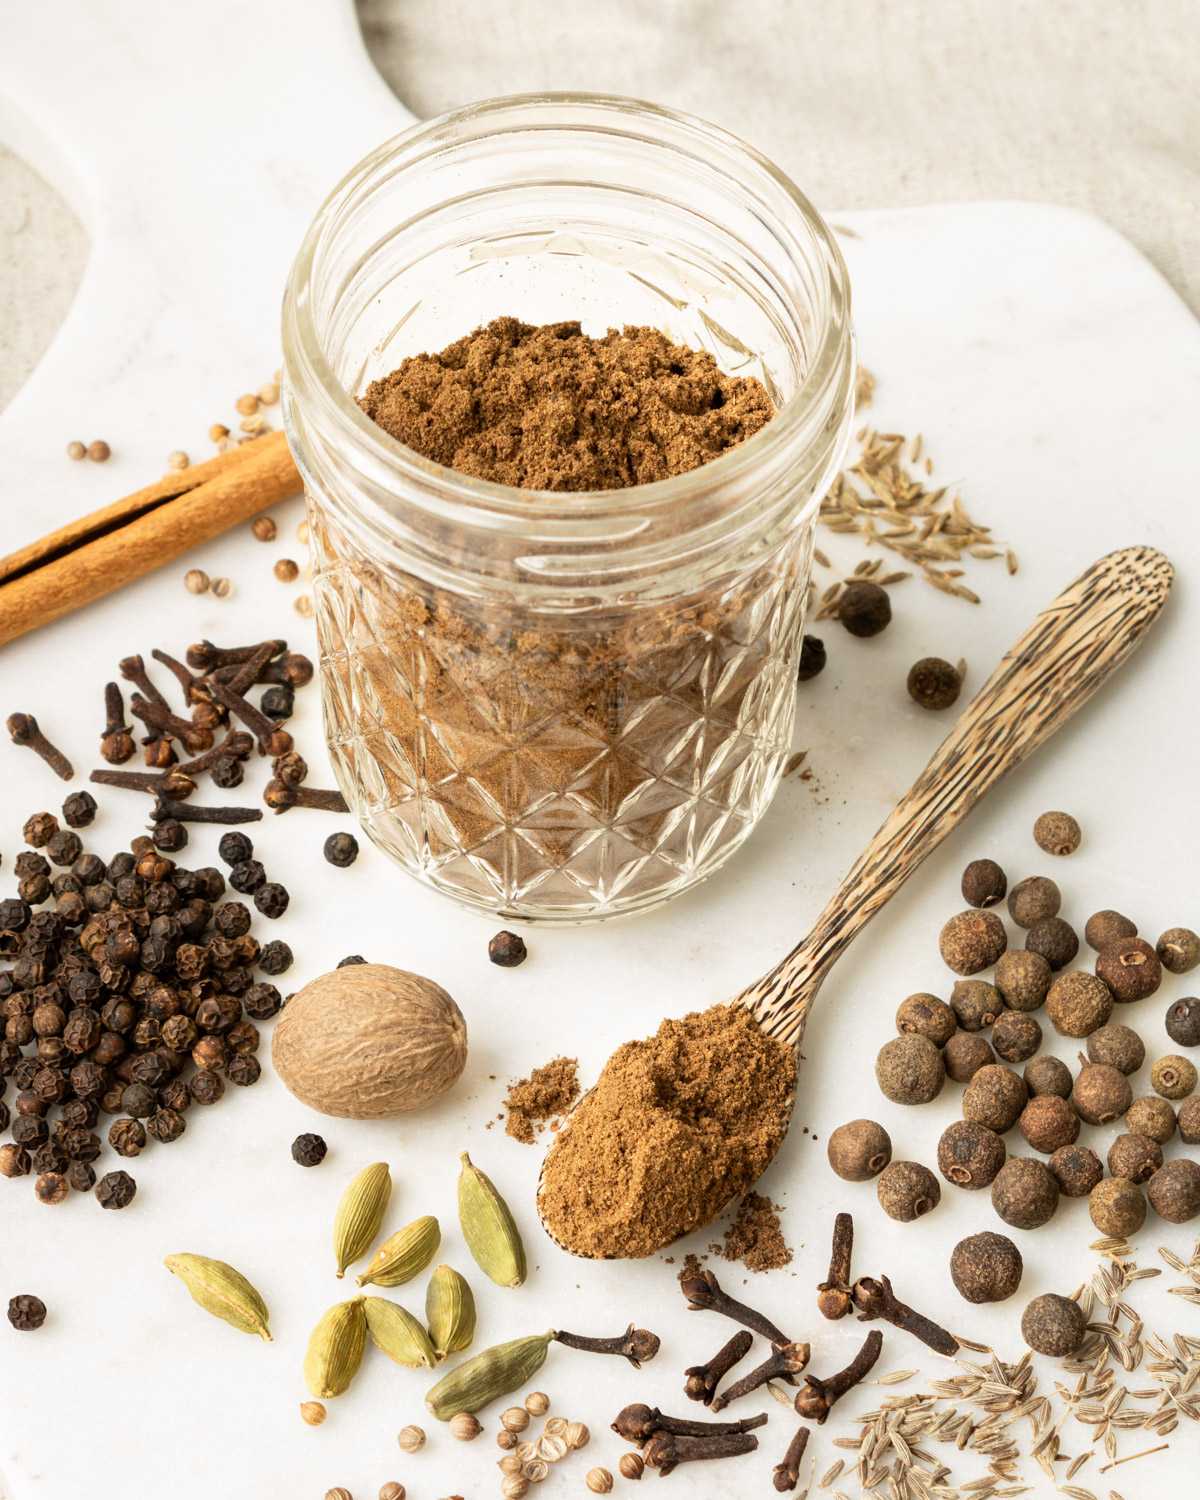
[551, 408]
[546, 1094]
[676, 1126]
[755, 1237]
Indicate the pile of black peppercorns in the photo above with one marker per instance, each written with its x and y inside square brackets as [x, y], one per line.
[132, 995]
[1047, 1102]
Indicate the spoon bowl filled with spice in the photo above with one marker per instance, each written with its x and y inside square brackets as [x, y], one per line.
[681, 1123]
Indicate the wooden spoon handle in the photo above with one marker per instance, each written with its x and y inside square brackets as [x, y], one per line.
[1071, 648]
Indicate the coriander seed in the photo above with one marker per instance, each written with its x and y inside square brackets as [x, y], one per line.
[857, 1151]
[1022, 979]
[537, 1403]
[1016, 1036]
[1183, 1022]
[975, 1003]
[247, 405]
[313, 1413]
[935, 685]
[632, 1465]
[972, 941]
[1131, 970]
[392, 1490]
[76, 450]
[984, 883]
[907, 1191]
[506, 1439]
[221, 588]
[1048, 1075]
[964, 1054]
[1173, 1077]
[986, 1267]
[1117, 1207]
[465, 1427]
[1153, 1117]
[303, 606]
[1174, 1191]
[1189, 1121]
[969, 1155]
[1025, 1193]
[576, 1436]
[515, 1487]
[99, 452]
[1053, 1325]
[1101, 1094]
[1033, 900]
[286, 570]
[1078, 1003]
[599, 1481]
[1178, 950]
[909, 1070]
[338, 1493]
[515, 1419]
[1055, 940]
[995, 1097]
[926, 1015]
[411, 1439]
[1057, 833]
[1134, 1157]
[1118, 1046]
[263, 528]
[178, 459]
[1076, 1169]
[1106, 927]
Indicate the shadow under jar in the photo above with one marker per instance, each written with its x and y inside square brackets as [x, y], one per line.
[563, 706]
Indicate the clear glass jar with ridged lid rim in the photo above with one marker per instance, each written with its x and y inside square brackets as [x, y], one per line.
[563, 706]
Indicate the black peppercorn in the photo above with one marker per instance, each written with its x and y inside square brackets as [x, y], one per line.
[275, 958]
[1117, 1207]
[127, 1137]
[907, 1191]
[1130, 969]
[1103, 928]
[261, 1001]
[79, 809]
[350, 960]
[1134, 1157]
[279, 701]
[115, 1190]
[983, 883]
[48, 1158]
[864, 609]
[859, 1150]
[170, 835]
[235, 847]
[975, 1003]
[1034, 900]
[341, 849]
[812, 658]
[934, 684]
[972, 941]
[80, 1144]
[926, 1015]
[232, 918]
[166, 1125]
[1053, 1325]
[81, 1176]
[964, 1054]
[14, 915]
[970, 1155]
[309, 1150]
[210, 883]
[39, 830]
[174, 1095]
[271, 899]
[1178, 950]
[210, 1052]
[29, 1130]
[227, 772]
[1016, 1036]
[1048, 1075]
[26, 1312]
[986, 1267]
[51, 1187]
[1118, 1046]
[1048, 1122]
[243, 1069]
[206, 1088]
[995, 1097]
[1025, 1193]
[507, 950]
[14, 1160]
[247, 876]
[64, 847]
[1055, 940]
[218, 1013]
[909, 1070]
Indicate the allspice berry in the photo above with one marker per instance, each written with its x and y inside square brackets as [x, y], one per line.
[1117, 1207]
[1101, 1094]
[1078, 1003]
[995, 1097]
[1048, 1075]
[1118, 1046]
[1022, 978]
[926, 1015]
[1153, 1117]
[1057, 833]
[864, 608]
[1016, 1036]
[1131, 970]
[1134, 1157]
[969, 1155]
[964, 1054]
[1183, 1022]
[984, 883]
[975, 1003]
[1033, 900]
[1048, 1122]
[859, 1150]
[1175, 1191]
[986, 1267]
[908, 1191]
[1106, 927]
[909, 1070]
[812, 658]
[1076, 1169]
[1025, 1193]
[1055, 940]
[1053, 1325]
[933, 683]
[1189, 1121]
[1173, 1077]
[1178, 950]
[972, 941]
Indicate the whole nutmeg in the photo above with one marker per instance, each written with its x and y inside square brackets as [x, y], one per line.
[1101, 1094]
[984, 883]
[970, 1155]
[975, 1003]
[1178, 950]
[465, 1427]
[537, 1403]
[1078, 1003]
[907, 1191]
[964, 1054]
[1183, 1022]
[1152, 1117]
[1106, 927]
[1057, 833]
[1053, 1325]
[926, 1015]
[995, 1097]
[1130, 969]
[1117, 1207]
[1076, 1169]
[1175, 1191]
[515, 1419]
[599, 1481]
[1025, 1193]
[909, 1070]
[986, 1267]
[1173, 1077]
[1118, 1046]
[1134, 1157]
[411, 1439]
[1016, 1036]
[313, 1413]
[858, 1151]
[1022, 979]
[1189, 1121]
[1048, 1075]
[1034, 900]
[972, 941]
[1048, 1122]
[369, 1041]
[1055, 940]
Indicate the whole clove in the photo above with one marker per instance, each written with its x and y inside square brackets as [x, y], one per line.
[636, 1344]
[787, 1473]
[834, 1298]
[116, 743]
[280, 796]
[25, 732]
[272, 740]
[207, 658]
[159, 717]
[704, 1294]
[195, 689]
[133, 669]
[665, 1452]
[250, 671]
[702, 1380]
[167, 807]
[638, 1423]
[815, 1400]
[784, 1361]
[875, 1299]
[174, 783]
[236, 745]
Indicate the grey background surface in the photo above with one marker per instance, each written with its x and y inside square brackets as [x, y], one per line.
[865, 103]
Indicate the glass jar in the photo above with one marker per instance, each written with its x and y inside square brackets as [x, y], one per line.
[563, 706]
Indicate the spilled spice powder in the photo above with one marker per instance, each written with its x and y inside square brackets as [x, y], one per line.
[676, 1126]
[756, 1237]
[546, 1094]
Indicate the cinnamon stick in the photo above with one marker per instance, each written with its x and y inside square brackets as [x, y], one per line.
[100, 552]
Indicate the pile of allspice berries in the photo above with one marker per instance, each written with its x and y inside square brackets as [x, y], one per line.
[987, 1038]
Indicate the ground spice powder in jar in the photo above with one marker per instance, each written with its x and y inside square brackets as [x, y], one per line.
[676, 1125]
[547, 1093]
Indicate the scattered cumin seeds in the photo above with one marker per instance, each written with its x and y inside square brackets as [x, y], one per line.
[897, 1377]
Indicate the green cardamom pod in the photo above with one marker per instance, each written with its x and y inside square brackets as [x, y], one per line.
[222, 1291]
[408, 1251]
[360, 1213]
[488, 1227]
[449, 1312]
[398, 1334]
[487, 1376]
[335, 1349]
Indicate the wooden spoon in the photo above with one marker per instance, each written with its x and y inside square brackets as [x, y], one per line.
[1071, 648]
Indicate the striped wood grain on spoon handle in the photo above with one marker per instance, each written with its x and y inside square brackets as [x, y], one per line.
[1071, 648]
